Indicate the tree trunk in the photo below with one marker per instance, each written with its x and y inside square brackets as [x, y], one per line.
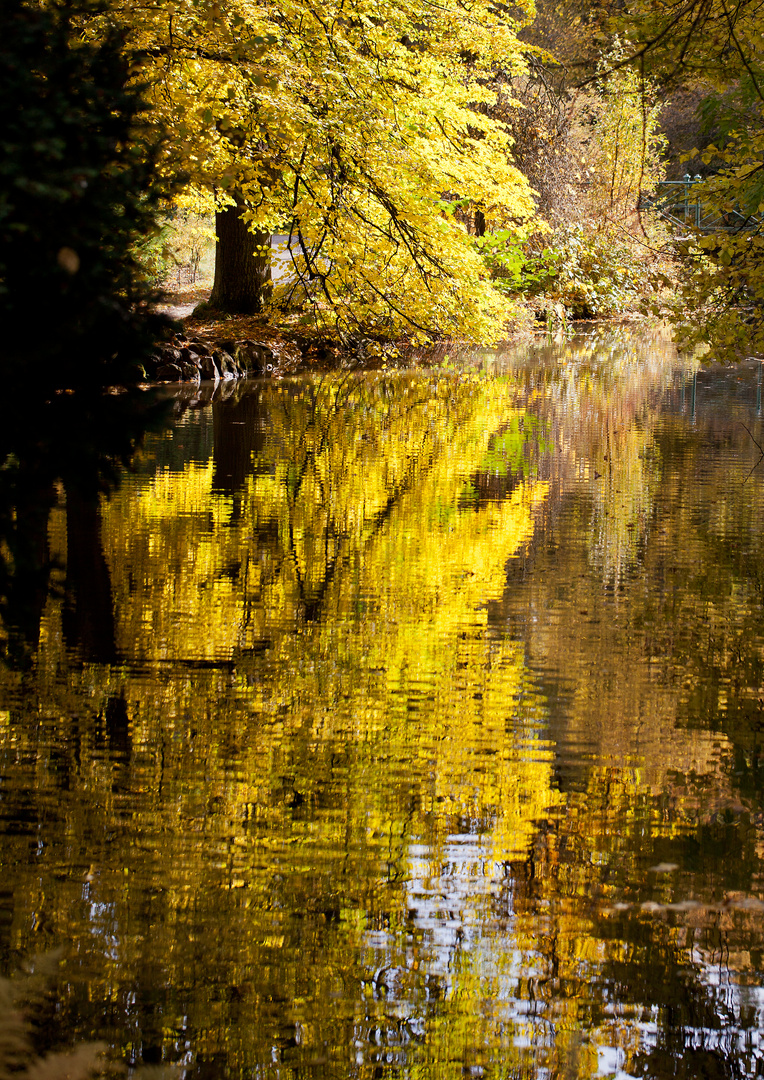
[242, 264]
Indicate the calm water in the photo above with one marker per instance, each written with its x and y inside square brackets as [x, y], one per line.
[403, 725]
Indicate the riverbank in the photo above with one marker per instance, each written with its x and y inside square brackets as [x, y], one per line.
[216, 347]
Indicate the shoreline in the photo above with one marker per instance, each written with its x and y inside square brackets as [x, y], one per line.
[209, 348]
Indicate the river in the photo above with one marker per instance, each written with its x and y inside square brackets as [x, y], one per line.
[402, 724]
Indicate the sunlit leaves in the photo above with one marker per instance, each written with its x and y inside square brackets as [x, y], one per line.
[723, 298]
[347, 128]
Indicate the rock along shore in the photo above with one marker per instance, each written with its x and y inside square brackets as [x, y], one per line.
[188, 360]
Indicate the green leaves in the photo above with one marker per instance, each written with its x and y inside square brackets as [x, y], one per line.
[504, 255]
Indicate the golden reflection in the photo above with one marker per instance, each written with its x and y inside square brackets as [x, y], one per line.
[419, 730]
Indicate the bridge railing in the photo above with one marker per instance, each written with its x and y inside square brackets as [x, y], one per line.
[675, 201]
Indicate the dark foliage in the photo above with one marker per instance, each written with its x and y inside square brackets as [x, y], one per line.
[78, 184]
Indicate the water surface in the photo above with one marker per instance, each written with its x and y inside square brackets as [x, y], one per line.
[407, 725]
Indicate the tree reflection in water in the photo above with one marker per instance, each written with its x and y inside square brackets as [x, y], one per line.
[402, 724]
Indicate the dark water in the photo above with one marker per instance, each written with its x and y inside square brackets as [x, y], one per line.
[404, 725]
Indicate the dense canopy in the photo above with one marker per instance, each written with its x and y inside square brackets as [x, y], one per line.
[357, 129]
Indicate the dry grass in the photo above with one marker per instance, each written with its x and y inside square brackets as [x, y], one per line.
[24, 1002]
[27, 1003]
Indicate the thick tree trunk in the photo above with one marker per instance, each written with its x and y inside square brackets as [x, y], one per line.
[242, 264]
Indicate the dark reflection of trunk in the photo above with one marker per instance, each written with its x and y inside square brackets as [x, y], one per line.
[89, 612]
[239, 432]
[25, 566]
[113, 729]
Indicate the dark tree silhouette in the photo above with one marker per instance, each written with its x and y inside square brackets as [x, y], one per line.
[78, 186]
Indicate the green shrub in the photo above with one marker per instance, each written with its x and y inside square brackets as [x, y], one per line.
[589, 273]
[514, 268]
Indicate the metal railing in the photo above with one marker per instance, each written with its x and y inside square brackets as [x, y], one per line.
[674, 200]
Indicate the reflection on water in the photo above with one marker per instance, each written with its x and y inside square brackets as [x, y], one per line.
[406, 725]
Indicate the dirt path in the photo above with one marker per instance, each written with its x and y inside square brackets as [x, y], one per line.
[180, 302]
[177, 311]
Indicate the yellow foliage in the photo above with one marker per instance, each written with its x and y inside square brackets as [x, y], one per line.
[353, 129]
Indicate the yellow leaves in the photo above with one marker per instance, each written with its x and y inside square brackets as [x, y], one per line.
[351, 122]
[629, 145]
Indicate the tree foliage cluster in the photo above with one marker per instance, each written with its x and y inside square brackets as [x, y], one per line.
[433, 168]
[379, 141]
[355, 129]
[718, 46]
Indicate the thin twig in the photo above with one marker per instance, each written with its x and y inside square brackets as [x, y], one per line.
[761, 448]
